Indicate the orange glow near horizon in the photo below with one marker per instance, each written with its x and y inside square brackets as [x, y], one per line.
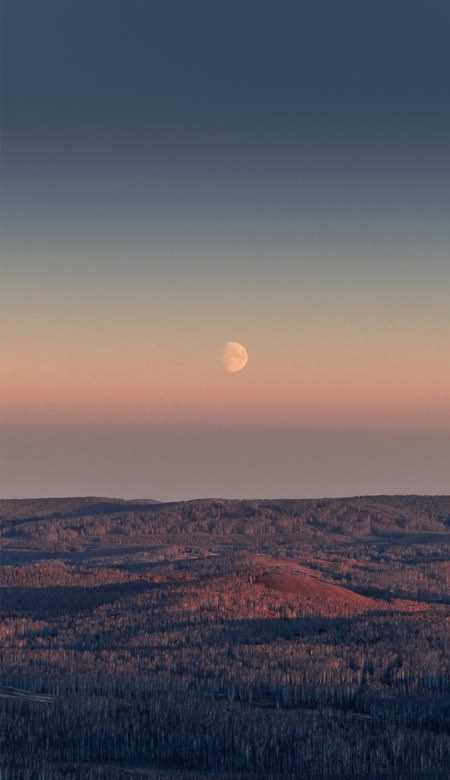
[352, 360]
[351, 388]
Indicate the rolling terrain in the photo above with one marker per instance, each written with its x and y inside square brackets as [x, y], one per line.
[219, 638]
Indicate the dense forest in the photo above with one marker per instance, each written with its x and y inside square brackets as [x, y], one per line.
[228, 639]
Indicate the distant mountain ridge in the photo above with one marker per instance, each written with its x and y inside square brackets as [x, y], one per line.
[91, 520]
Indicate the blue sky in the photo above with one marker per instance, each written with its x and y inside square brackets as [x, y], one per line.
[177, 175]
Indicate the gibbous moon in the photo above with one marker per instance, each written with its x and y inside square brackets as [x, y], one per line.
[235, 357]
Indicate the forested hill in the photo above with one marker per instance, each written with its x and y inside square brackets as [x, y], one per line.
[240, 639]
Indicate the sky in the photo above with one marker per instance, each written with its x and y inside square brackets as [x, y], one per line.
[178, 175]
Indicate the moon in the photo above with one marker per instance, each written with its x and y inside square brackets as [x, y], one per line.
[235, 357]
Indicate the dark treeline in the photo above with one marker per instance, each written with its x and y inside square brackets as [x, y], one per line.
[184, 730]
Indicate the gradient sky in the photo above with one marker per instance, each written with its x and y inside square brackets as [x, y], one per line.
[177, 175]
